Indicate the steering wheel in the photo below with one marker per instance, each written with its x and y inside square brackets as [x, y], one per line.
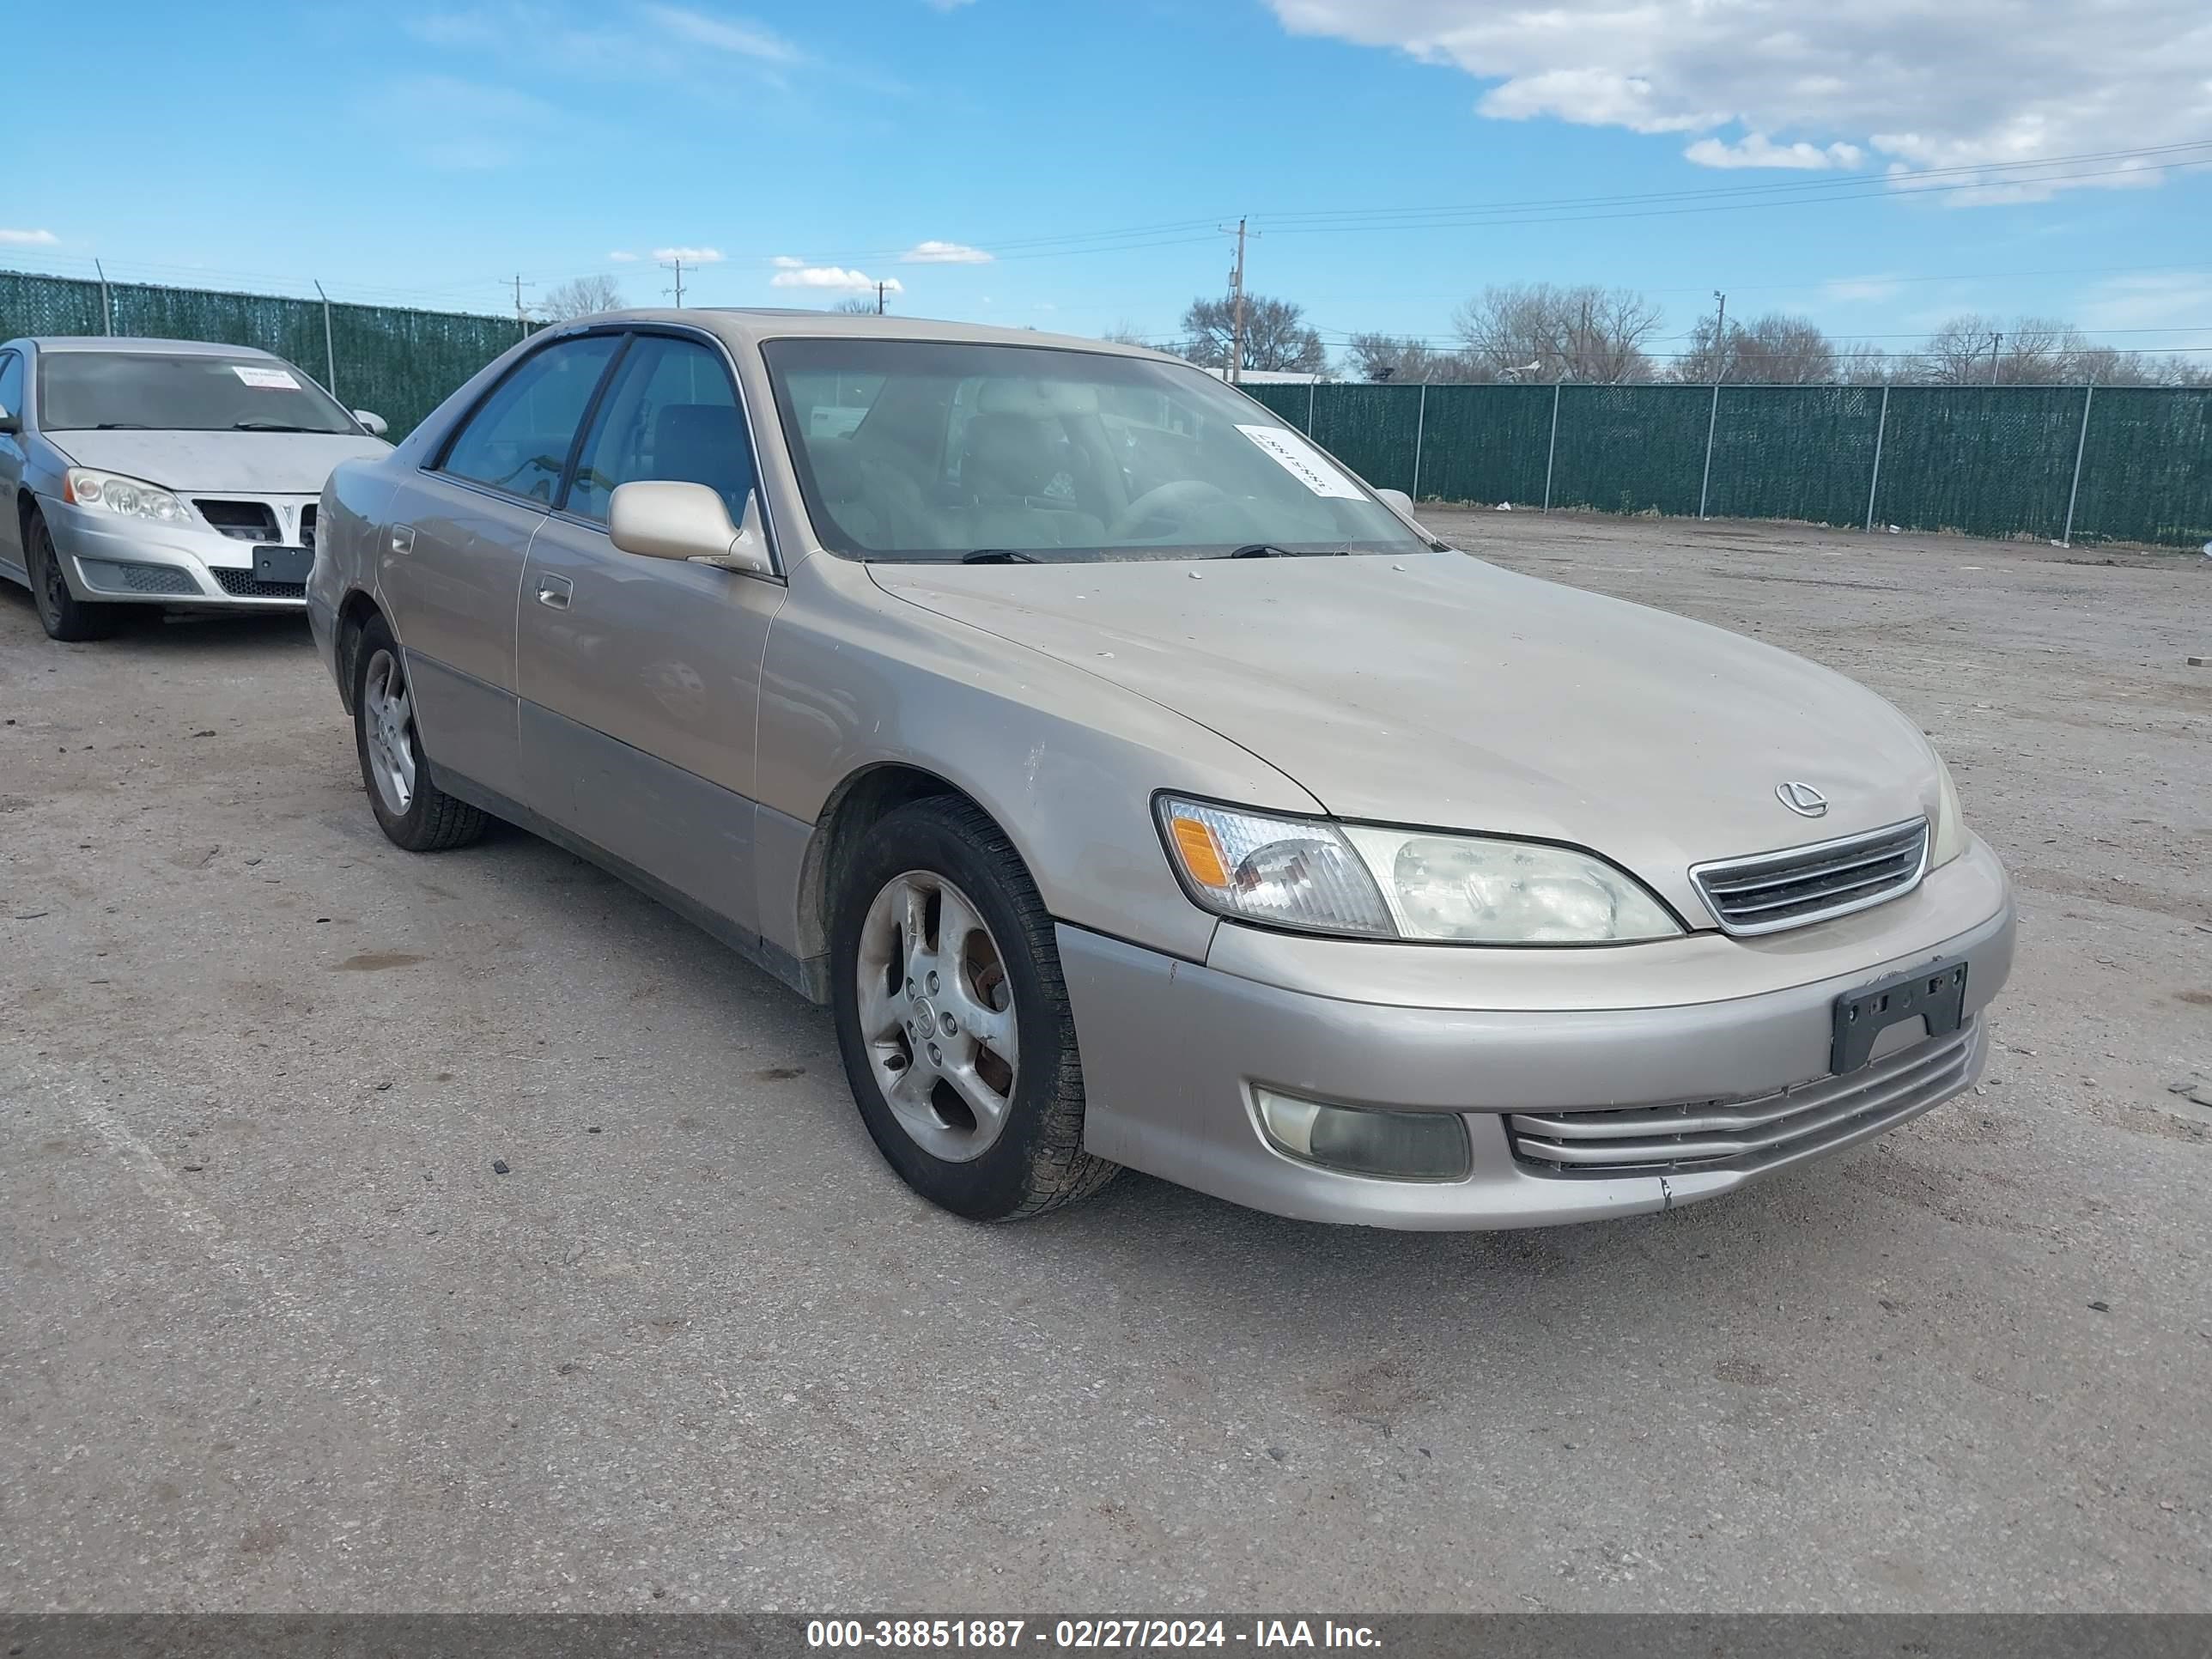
[1150, 506]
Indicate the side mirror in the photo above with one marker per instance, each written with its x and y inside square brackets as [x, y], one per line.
[10, 421]
[1398, 501]
[374, 422]
[655, 519]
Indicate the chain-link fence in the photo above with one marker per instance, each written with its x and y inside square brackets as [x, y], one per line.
[397, 362]
[2075, 463]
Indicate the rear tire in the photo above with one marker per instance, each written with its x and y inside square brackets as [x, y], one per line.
[61, 613]
[947, 992]
[412, 810]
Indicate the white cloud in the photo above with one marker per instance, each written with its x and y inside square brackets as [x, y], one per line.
[784, 262]
[2167, 299]
[944, 254]
[622, 257]
[28, 237]
[1757, 150]
[690, 256]
[793, 273]
[1968, 84]
[747, 39]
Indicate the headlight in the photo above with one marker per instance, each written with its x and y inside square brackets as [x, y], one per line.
[132, 497]
[1364, 882]
[1948, 835]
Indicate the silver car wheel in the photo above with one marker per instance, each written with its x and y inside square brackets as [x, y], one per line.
[387, 718]
[937, 1012]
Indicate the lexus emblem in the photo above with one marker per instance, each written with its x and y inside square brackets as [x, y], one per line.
[1802, 798]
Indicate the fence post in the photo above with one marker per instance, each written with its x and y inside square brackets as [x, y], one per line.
[1420, 426]
[1881, 431]
[107, 310]
[1552, 450]
[1712, 420]
[330, 353]
[1311, 385]
[2081, 443]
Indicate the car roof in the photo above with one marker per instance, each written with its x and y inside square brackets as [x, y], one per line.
[144, 347]
[753, 323]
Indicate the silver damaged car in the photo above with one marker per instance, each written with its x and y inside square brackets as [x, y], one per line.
[1140, 787]
[162, 472]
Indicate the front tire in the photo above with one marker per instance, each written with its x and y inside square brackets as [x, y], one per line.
[61, 613]
[413, 812]
[953, 1020]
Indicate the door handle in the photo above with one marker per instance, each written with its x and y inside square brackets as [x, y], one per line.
[403, 538]
[556, 591]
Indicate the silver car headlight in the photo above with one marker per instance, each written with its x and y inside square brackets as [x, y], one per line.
[1946, 836]
[1364, 882]
[132, 497]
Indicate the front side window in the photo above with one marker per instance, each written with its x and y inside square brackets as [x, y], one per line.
[927, 451]
[11, 382]
[519, 438]
[670, 413]
[196, 391]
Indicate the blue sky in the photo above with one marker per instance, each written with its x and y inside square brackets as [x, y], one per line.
[1063, 164]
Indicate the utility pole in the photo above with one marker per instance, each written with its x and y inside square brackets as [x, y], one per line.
[1996, 340]
[676, 265]
[1237, 295]
[880, 298]
[1713, 413]
[520, 315]
[1720, 340]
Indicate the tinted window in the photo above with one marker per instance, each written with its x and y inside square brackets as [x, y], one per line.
[670, 414]
[11, 382]
[79, 391]
[519, 438]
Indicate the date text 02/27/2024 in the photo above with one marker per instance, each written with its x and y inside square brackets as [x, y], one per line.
[1084, 1634]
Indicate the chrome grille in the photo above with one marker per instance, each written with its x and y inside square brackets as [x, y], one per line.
[1748, 1134]
[1799, 884]
[243, 521]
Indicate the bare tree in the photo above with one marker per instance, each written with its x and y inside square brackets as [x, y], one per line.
[1776, 349]
[1276, 335]
[1388, 357]
[1585, 333]
[1124, 333]
[579, 296]
[857, 304]
[1865, 364]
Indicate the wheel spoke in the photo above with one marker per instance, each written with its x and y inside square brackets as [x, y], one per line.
[910, 905]
[909, 1090]
[992, 1027]
[956, 920]
[988, 1105]
[882, 1013]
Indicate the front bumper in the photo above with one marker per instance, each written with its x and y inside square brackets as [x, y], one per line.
[108, 557]
[1171, 1050]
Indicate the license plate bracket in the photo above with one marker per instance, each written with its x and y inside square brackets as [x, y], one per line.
[282, 564]
[1935, 992]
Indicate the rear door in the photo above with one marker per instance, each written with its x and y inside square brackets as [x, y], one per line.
[640, 679]
[451, 560]
[12, 378]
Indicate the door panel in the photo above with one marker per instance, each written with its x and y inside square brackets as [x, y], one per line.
[12, 378]
[453, 547]
[640, 677]
[449, 561]
[640, 695]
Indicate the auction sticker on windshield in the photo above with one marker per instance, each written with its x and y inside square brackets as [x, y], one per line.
[268, 380]
[1302, 461]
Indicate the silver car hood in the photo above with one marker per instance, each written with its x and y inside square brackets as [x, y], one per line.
[1435, 690]
[248, 463]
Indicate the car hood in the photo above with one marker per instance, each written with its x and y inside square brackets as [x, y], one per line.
[197, 463]
[1435, 690]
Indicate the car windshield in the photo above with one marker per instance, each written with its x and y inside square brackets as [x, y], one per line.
[179, 392]
[916, 451]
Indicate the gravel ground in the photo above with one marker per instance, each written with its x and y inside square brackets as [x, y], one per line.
[274, 1334]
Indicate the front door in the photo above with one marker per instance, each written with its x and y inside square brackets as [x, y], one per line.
[455, 539]
[640, 679]
[12, 378]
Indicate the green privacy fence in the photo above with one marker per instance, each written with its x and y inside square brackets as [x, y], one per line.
[2131, 463]
[399, 363]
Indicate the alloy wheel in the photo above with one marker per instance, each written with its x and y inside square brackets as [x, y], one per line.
[387, 717]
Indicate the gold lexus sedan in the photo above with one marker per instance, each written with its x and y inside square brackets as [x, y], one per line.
[1140, 787]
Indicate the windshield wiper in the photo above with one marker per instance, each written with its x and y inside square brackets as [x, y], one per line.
[999, 555]
[122, 426]
[275, 426]
[1269, 550]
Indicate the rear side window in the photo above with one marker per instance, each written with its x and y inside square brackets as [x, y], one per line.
[11, 382]
[670, 413]
[519, 438]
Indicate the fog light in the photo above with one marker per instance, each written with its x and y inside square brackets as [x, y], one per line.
[1402, 1146]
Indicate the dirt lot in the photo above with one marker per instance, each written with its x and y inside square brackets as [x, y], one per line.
[274, 1334]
